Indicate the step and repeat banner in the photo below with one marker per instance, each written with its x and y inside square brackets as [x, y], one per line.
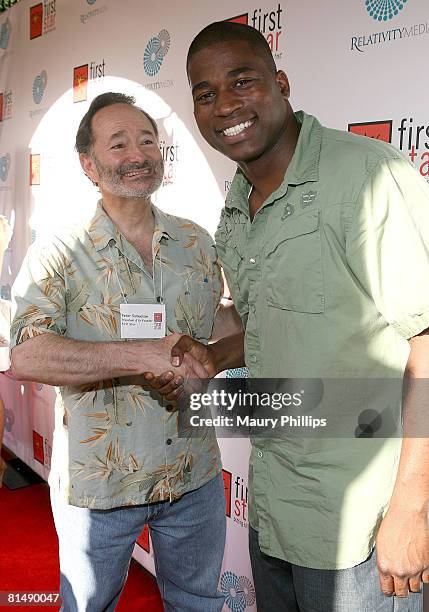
[357, 65]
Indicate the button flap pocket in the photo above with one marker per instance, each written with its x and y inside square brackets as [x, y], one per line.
[291, 228]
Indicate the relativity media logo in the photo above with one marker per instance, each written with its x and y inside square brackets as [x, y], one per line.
[4, 167]
[155, 51]
[238, 591]
[5, 31]
[39, 86]
[384, 10]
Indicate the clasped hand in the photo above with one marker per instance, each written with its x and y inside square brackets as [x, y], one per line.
[188, 361]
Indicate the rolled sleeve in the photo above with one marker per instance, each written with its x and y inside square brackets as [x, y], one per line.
[38, 296]
[387, 245]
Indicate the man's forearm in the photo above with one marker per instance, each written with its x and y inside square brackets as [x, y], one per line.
[228, 352]
[55, 360]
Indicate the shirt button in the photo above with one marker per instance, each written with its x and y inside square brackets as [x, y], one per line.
[260, 454]
[253, 358]
[169, 441]
[252, 260]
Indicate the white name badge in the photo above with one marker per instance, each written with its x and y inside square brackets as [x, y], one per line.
[142, 320]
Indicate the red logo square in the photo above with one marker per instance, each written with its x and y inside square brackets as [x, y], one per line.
[227, 479]
[80, 83]
[157, 317]
[39, 453]
[36, 21]
[381, 130]
[244, 18]
[143, 539]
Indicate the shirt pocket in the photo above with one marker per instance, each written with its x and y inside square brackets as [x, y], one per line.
[294, 271]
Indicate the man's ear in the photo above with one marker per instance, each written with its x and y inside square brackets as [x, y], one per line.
[283, 83]
[88, 166]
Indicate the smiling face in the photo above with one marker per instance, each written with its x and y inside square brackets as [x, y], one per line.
[125, 159]
[240, 105]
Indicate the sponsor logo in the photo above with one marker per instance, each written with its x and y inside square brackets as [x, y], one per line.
[155, 51]
[227, 478]
[6, 104]
[415, 140]
[269, 23]
[35, 169]
[5, 31]
[83, 74]
[4, 167]
[409, 137]
[42, 18]
[384, 10]
[244, 18]
[93, 12]
[143, 540]
[236, 497]
[381, 130]
[9, 420]
[238, 591]
[170, 155]
[38, 448]
[39, 86]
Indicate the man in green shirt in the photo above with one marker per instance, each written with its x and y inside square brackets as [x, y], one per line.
[96, 307]
[324, 241]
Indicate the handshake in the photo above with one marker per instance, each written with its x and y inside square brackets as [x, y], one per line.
[187, 362]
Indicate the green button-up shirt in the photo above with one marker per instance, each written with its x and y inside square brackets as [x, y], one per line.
[330, 278]
[114, 443]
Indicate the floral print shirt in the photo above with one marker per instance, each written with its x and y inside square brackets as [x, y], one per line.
[115, 443]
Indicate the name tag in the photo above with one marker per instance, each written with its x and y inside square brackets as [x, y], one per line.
[142, 321]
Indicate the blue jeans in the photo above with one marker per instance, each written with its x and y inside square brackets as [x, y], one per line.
[283, 587]
[188, 539]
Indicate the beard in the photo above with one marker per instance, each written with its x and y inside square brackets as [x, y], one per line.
[111, 178]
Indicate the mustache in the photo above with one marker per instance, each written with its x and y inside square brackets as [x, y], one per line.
[147, 164]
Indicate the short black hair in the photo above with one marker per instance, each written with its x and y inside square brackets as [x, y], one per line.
[84, 136]
[222, 31]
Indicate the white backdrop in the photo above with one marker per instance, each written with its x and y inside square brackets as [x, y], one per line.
[360, 63]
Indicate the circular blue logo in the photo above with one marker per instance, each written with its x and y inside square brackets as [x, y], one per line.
[232, 590]
[4, 166]
[383, 10]
[152, 58]
[5, 31]
[156, 49]
[39, 86]
[91, 1]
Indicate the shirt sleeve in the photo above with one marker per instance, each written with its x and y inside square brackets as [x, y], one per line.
[387, 246]
[38, 296]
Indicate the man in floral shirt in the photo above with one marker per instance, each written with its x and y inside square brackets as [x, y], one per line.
[118, 459]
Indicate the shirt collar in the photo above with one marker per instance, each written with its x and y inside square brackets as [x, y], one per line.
[102, 229]
[303, 168]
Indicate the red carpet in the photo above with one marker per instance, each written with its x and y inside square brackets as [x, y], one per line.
[29, 553]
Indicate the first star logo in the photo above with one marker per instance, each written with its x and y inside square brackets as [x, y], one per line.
[381, 130]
